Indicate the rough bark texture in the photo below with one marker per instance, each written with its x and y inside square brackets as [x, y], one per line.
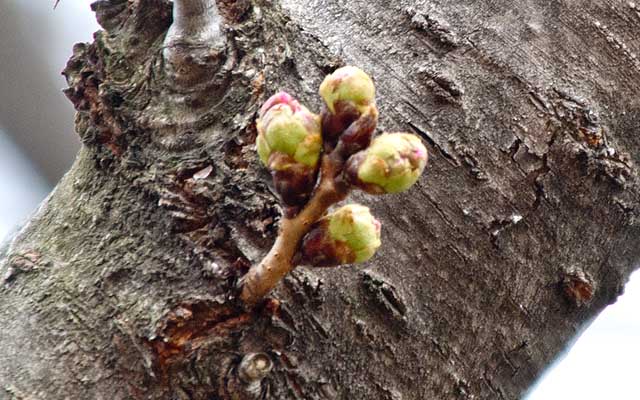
[523, 228]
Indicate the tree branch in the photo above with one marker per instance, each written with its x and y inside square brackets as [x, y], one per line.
[195, 44]
[263, 277]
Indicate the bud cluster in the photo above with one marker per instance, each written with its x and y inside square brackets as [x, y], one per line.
[314, 161]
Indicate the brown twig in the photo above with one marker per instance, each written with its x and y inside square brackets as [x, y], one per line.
[264, 276]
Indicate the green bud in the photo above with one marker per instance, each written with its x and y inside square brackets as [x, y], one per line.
[354, 225]
[391, 164]
[348, 235]
[286, 127]
[289, 143]
[348, 85]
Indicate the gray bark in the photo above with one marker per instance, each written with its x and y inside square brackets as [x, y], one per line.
[523, 228]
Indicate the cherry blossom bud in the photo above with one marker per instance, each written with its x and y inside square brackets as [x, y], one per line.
[391, 164]
[348, 235]
[349, 85]
[349, 94]
[289, 143]
[285, 126]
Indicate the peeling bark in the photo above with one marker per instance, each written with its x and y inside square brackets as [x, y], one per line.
[524, 227]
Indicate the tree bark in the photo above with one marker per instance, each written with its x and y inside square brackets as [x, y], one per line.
[524, 227]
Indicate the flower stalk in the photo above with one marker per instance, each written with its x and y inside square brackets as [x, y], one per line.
[264, 276]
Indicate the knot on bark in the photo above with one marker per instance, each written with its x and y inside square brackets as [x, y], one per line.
[195, 47]
[245, 382]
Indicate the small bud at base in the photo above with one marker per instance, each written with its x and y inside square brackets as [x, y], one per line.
[354, 225]
[358, 135]
[349, 235]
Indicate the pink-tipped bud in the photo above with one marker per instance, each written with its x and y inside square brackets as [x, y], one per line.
[289, 143]
[280, 98]
[285, 126]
